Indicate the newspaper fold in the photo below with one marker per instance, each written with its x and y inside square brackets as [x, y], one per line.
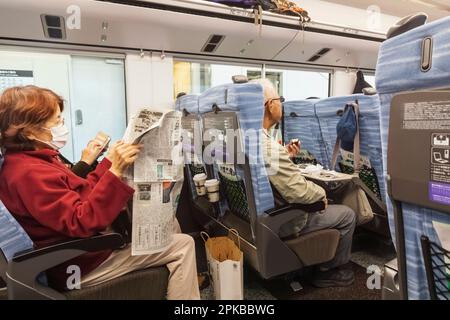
[157, 177]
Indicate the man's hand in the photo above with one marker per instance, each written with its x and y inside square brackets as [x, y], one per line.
[293, 148]
[91, 152]
[121, 156]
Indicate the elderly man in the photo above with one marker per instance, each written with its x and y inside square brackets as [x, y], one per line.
[286, 178]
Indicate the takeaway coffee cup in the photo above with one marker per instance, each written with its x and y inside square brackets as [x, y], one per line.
[212, 187]
[199, 181]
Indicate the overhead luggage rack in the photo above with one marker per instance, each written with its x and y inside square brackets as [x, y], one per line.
[215, 10]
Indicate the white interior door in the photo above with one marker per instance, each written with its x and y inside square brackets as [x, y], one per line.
[47, 70]
[98, 100]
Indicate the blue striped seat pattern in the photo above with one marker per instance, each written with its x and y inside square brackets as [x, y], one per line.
[188, 102]
[398, 70]
[301, 122]
[13, 238]
[326, 111]
[247, 101]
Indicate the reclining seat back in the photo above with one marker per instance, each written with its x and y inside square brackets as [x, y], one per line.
[401, 68]
[13, 239]
[224, 110]
[329, 112]
[300, 122]
[241, 106]
[188, 105]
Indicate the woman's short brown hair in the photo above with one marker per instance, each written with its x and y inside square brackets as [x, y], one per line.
[24, 108]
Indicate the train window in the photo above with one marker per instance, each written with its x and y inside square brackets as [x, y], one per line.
[370, 78]
[299, 84]
[196, 77]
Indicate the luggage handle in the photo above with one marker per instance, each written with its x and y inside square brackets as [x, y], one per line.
[205, 236]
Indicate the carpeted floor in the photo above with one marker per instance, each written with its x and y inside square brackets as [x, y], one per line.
[366, 252]
[258, 289]
[358, 291]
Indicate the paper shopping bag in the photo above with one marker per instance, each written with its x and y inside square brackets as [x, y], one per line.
[225, 264]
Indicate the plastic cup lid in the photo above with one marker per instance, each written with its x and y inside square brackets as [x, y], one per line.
[211, 183]
[200, 176]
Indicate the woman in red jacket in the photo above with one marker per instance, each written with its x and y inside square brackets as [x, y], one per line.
[54, 205]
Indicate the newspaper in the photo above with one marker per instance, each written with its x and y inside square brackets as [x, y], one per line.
[157, 177]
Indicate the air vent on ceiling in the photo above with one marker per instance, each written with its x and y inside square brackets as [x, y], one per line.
[319, 54]
[54, 26]
[213, 43]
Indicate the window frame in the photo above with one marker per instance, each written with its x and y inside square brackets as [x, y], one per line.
[263, 67]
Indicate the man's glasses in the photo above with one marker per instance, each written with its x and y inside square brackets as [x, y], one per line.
[281, 99]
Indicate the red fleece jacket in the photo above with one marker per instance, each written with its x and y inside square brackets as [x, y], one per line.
[54, 205]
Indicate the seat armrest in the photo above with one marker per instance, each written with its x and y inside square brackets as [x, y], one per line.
[25, 267]
[110, 241]
[307, 208]
[275, 218]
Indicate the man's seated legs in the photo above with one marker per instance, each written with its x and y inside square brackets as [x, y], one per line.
[343, 219]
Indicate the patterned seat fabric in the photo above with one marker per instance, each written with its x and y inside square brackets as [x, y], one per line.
[247, 101]
[13, 239]
[370, 138]
[314, 123]
[399, 70]
[189, 104]
[301, 122]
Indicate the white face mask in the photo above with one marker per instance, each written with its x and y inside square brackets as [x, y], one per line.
[60, 135]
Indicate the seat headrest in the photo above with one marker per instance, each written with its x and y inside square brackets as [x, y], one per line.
[369, 91]
[407, 23]
[239, 79]
[181, 94]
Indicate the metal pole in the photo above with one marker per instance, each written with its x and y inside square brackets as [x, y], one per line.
[400, 241]
[401, 248]
[426, 250]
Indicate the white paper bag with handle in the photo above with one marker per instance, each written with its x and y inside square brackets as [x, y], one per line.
[225, 264]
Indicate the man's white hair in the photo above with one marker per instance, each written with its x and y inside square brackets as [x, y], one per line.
[268, 88]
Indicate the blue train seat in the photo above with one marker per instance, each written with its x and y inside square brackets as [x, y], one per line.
[247, 202]
[300, 122]
[328, 113]
[188, 105]
[416, 60]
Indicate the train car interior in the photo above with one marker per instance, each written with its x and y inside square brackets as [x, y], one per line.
[224, 150]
